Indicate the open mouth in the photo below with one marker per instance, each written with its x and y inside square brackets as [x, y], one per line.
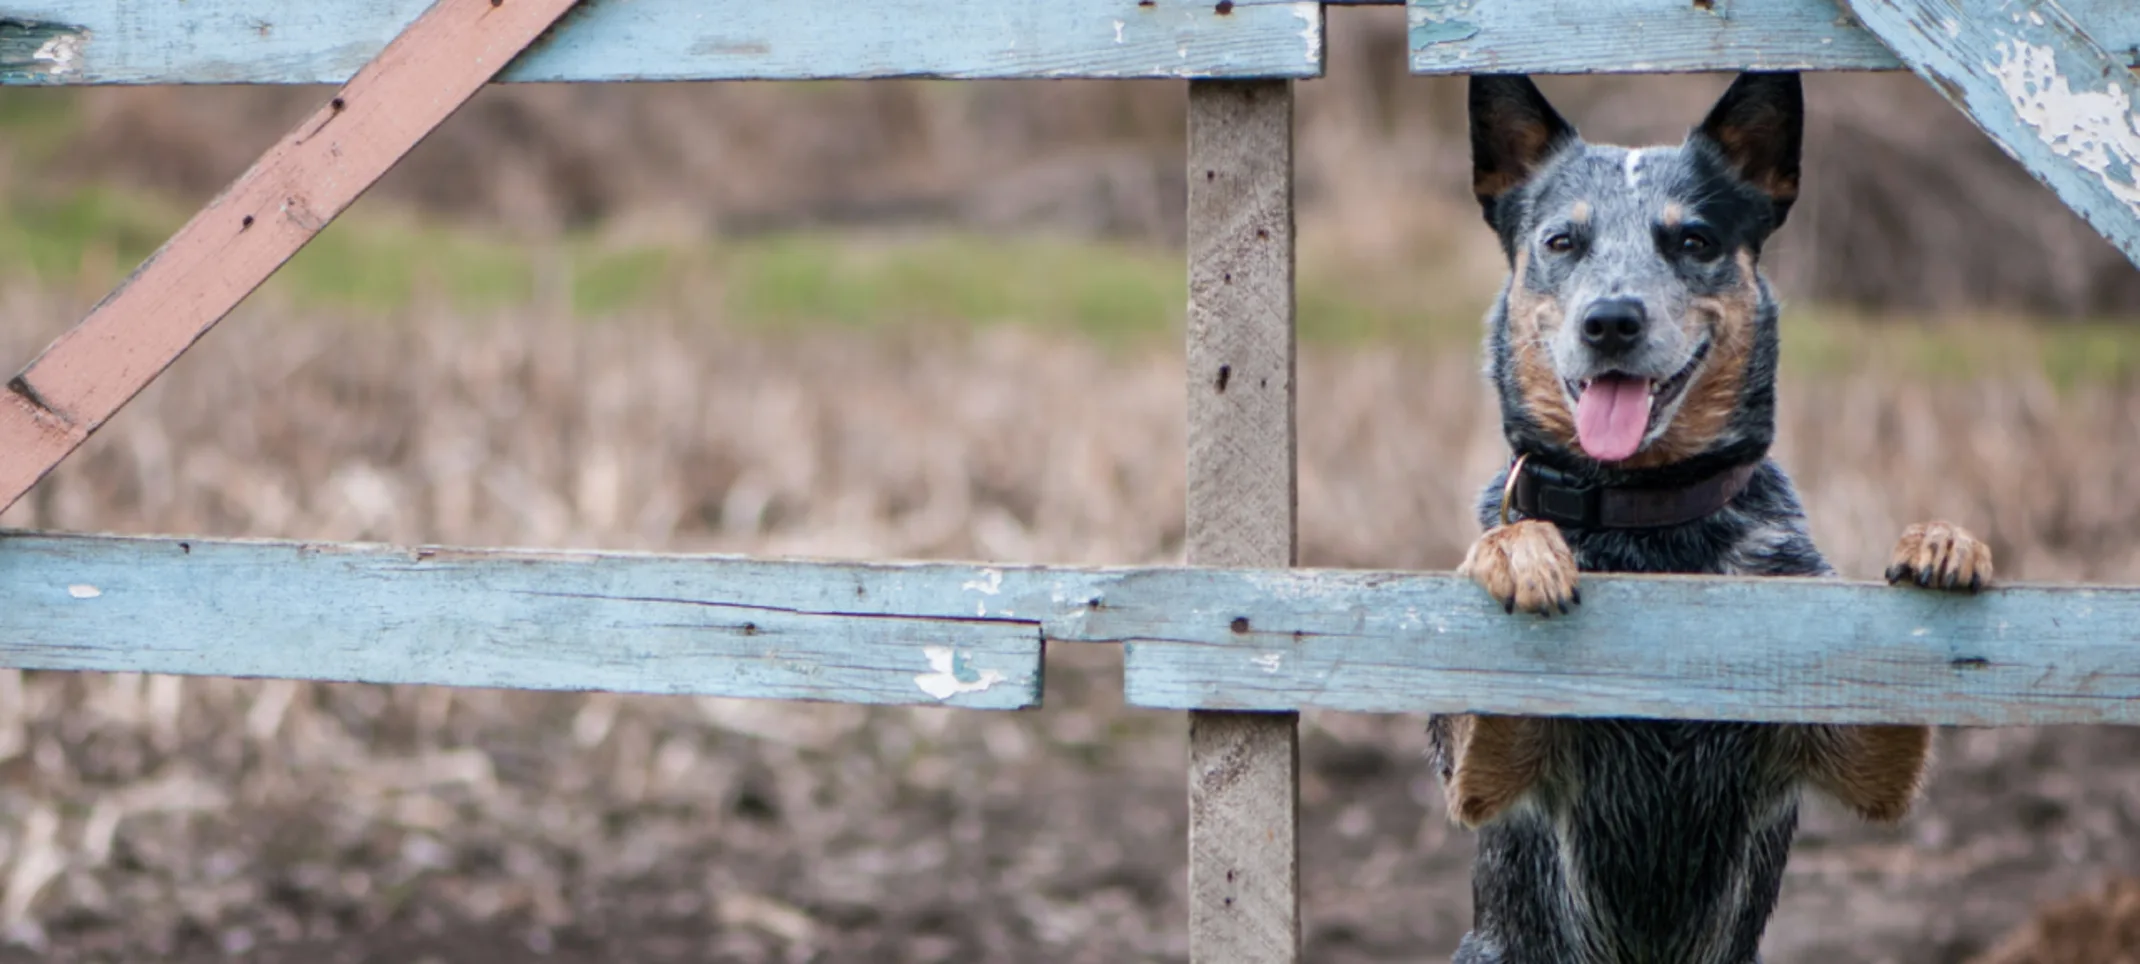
[1615, 411]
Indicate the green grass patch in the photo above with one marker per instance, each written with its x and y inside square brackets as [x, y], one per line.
[1110, 292]
[385, 263]
[35, 122]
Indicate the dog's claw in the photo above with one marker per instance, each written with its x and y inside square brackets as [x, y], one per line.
[1940, 555]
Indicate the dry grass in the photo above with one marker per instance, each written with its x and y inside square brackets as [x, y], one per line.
[195, 819]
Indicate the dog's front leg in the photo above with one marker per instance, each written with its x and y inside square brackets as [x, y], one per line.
[1524, 565]
[1878, 770]
[1490, 762]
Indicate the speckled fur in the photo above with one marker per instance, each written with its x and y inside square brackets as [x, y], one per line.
[1641, 841]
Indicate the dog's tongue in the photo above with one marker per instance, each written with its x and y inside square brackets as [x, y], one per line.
[1612, 415]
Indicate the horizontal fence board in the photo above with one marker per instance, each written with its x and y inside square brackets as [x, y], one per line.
[643, 624]
[1667, 36]
[325, 41]
[1779, 650]
[1783, 650]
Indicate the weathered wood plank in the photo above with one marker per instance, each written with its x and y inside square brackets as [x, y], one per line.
[1244, 791]
[1761, 650]
[1664, 36]
[2041, 87]
[641, 624]
[1785, 650]
[244, 235]
[325, 41]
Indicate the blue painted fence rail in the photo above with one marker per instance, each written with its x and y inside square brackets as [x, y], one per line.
[1782, 650]
[1665, 36]
[557, 621]
[325, 41]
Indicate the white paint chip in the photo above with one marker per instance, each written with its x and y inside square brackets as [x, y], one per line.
[1311, 31]
[83, 590]
[1633, 166]
[61, 52]
[990, 583]
[1269, 661]
[1118, 31]
[942, 681]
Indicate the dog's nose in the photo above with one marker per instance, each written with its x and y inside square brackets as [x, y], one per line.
[1614, 327]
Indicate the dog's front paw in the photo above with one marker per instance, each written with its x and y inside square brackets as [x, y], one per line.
[1941, 555]
[1524, 565]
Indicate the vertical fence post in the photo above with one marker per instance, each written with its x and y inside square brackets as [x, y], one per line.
[1244, 877]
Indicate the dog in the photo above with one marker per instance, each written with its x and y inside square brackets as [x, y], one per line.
[1634, 352]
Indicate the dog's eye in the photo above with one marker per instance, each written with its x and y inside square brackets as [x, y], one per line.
[1560, 243]
[1696, 244]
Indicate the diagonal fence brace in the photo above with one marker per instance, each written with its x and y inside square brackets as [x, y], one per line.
[2048, 93]
[234, 244]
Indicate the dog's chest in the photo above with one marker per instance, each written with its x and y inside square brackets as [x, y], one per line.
[1670, 838]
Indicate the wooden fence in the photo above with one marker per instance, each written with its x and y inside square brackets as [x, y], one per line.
[1235, 637]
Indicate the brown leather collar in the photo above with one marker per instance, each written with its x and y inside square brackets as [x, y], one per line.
[1539, 492]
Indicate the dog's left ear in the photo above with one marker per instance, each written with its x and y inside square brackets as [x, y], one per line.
[1757, 128]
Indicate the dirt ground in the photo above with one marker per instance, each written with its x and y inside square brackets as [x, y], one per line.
[209, 819]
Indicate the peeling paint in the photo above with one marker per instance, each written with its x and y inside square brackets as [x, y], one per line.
[951, 673]
[1269, 661]
[1438, 24]
[41, 50]
[1118, 34]
[2095, 129]
[990, 583]
[62, 52]
[84, 591]
[1311, 31]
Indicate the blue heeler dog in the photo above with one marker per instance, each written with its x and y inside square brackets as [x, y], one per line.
[1634, 350]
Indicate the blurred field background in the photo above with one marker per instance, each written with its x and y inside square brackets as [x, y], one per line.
[924, 320]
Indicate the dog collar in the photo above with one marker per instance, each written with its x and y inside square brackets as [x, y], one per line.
[1540, 492]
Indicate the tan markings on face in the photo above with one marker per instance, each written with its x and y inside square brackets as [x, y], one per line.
[1674, 215]
[1728, 321]
[1580, 213]
[1532, 320]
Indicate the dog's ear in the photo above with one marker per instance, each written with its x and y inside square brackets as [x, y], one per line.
[1513, 132]
[1757, 128]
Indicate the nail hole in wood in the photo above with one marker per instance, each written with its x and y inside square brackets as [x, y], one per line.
[1225, 375]
[1240, 624]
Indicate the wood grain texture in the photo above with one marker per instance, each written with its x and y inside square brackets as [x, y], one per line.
[1775, 650]
[1663, 36]
[626, 623]
[325, 41]
[1244, 840]
[2038, 84]
[245, 234]
[1781, 650]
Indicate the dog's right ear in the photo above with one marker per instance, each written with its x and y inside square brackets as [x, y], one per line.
[1513, 132]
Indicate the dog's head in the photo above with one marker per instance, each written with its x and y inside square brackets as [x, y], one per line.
[1635, 330]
